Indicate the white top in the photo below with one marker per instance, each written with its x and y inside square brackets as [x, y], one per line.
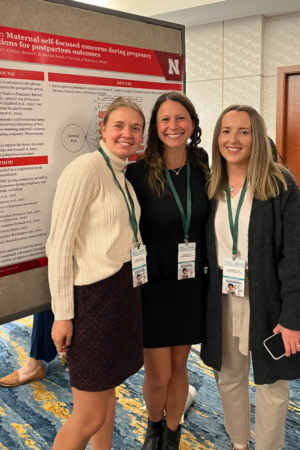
[91, 235]
[222, 228]
[240, 305]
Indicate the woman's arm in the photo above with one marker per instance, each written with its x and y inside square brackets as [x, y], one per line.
[289, 270]
[75, 189]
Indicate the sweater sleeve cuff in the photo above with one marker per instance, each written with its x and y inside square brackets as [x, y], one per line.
[64, 316]
[290, 315]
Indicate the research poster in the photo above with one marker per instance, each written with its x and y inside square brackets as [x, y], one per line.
[54, 91]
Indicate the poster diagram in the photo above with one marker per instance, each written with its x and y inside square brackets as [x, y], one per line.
[74, 138]
[53, 97]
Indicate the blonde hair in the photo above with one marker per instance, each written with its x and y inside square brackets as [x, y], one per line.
[123, 102]
[263, 176]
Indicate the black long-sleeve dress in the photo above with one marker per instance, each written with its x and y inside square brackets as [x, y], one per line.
[173, 310]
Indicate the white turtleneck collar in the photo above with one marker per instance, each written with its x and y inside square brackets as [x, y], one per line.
[116, 162]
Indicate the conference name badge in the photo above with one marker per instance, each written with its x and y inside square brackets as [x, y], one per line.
[233, 282]
[186, 260]
[139, 266]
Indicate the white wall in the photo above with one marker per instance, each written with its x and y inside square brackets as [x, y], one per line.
[236, 61]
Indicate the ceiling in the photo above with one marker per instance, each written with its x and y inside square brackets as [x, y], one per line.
[196, 12]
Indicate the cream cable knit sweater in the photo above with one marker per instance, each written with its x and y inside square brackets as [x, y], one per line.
[91, 235]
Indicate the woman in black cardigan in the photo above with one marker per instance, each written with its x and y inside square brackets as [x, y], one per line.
[268, 241]
[173, 299]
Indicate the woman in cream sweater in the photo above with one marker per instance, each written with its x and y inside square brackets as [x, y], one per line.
[97, 310]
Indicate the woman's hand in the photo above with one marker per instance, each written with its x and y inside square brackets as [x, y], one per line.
[291, 339]
[61, 334]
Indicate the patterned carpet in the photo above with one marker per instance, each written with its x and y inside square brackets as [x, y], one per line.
[31, 415]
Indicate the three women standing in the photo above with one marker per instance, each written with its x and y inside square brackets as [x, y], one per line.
[170, 186]
[89, 247]
[97, 311]
[253, 223]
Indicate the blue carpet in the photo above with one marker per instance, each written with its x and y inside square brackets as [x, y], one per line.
[31, 415]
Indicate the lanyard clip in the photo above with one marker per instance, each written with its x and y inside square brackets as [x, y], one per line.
[137, 244]
[234, 256]
[186, 241]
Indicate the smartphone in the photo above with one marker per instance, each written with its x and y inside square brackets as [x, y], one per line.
[275, 346]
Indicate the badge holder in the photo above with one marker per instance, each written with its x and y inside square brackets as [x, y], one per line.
[186, 260]
[139, 266]
[233, 282]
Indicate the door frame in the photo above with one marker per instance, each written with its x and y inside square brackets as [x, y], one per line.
[282, 74]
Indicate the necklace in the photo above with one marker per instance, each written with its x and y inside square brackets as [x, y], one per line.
[232, 187]
[178, 170]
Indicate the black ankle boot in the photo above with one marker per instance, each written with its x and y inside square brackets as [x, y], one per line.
[170, 439]
[153, 436]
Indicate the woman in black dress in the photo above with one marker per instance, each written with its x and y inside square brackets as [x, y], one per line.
[172, 304]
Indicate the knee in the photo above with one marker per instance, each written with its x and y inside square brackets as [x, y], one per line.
[179, 366]
[157, 382]
[92, 424]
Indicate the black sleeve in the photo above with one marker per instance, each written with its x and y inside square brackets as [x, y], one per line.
[289, 265]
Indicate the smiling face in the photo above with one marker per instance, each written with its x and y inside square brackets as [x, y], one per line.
[123, 132]
[174, 125]
[235, 139]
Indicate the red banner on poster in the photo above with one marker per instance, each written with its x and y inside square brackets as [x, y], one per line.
[43, 48]
[22, 74]
[23, 266]
[27, 161]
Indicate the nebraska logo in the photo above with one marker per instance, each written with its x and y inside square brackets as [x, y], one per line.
[173, 66]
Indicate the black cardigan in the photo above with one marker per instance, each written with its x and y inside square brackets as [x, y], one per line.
[161, 225]
[274, 283]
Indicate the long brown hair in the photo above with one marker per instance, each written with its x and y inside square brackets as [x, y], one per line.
[263, 175]
[154, 153]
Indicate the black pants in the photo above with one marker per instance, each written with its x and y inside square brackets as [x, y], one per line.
[42, 346]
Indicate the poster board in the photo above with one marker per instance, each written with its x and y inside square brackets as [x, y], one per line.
[60, 67]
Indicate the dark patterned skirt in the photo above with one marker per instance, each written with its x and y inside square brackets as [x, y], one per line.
[107, 342]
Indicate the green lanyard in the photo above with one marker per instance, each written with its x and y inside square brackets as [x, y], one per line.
[186, 220]
[234, 226]
[131, 210]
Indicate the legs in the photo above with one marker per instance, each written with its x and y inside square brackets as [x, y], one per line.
[271, 399]
[42, 348]
[103, 438]
[234, 383]
[166, 386]
[178, 386]
[157, 363]
[271, 409]
[93, 414]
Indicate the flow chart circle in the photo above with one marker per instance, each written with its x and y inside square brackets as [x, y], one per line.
[73, 138]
